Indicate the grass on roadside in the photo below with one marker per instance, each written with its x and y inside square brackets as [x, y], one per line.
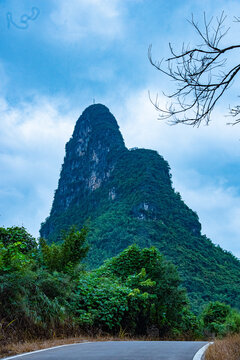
[15, 348]
[225, 349]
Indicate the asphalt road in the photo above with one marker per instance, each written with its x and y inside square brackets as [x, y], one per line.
[120, 350]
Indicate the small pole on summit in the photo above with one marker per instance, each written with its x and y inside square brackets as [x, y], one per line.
[93, 101]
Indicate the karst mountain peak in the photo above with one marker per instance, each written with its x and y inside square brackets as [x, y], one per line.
[125, 197]
[90, 156]
[98, 127]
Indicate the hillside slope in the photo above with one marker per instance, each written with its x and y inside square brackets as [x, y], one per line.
[127, 197]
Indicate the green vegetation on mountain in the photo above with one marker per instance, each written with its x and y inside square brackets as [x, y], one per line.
[126, 197]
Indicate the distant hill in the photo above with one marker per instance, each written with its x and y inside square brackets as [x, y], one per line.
[127, 197]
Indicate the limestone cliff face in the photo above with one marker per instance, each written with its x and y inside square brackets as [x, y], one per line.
[100, 172]
[90, 157]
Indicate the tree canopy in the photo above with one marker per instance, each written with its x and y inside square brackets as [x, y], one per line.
[137, 292]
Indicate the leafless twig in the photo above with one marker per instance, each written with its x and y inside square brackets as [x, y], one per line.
[198, 73]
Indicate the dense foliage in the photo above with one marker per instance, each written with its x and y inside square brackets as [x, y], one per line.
[66, 255]
[219, 319]
[138, 292]
[33, 297]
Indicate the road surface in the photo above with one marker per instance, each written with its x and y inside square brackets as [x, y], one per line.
[120, 350]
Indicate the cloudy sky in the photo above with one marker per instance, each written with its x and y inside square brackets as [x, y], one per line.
[57, 56]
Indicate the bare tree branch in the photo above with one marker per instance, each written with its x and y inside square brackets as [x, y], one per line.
[198, 74]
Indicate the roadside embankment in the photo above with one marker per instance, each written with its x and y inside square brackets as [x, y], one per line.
[224, 349]
[14, 348]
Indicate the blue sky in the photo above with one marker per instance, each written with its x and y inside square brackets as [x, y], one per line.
[65, 55]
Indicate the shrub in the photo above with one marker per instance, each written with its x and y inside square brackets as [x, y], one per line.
[219, 319]
[64, 257]
[136, 290]
[34, 300]
[18, 249]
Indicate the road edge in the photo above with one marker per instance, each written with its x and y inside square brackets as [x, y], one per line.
[37, 351]
[201, 351]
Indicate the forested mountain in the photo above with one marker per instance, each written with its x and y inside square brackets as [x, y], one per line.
[126, 196]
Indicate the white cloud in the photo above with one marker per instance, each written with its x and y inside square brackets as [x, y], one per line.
[81, 18]
[178, 143]
[32, 137]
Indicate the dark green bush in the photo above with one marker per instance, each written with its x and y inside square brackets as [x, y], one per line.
[219, 319]
[136, 290]
[65, 256]
[14, 234]
[34, 300]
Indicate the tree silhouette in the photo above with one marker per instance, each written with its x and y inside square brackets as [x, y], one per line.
[202, 75]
